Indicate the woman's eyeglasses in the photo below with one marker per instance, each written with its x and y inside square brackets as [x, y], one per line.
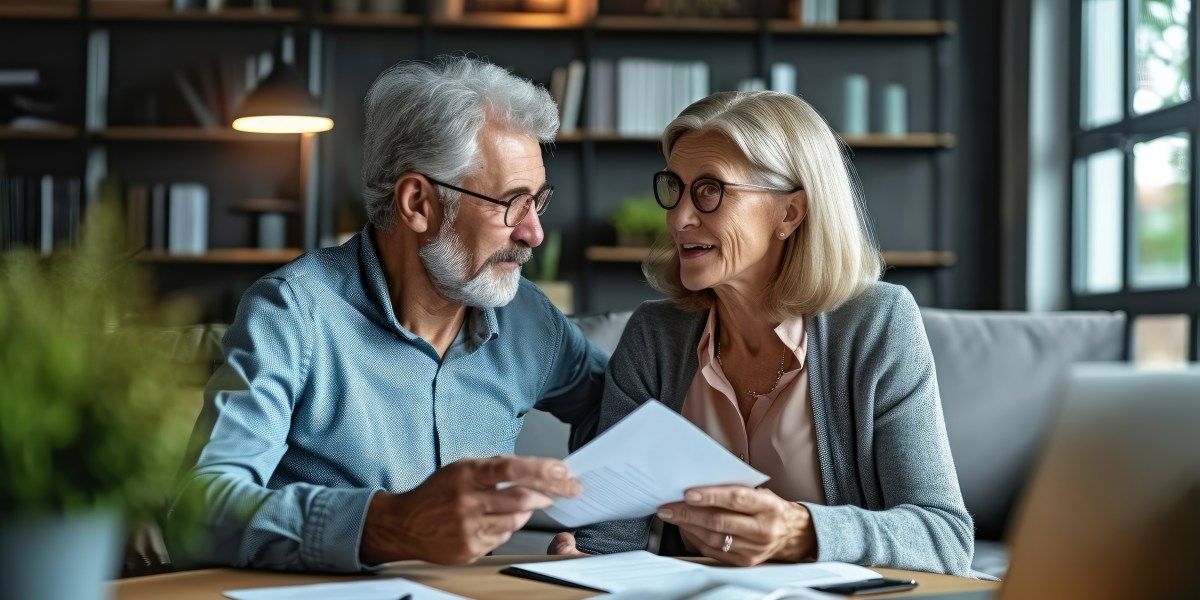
[707, 192]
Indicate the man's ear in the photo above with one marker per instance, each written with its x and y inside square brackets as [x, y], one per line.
[794, 214]
[417, 206]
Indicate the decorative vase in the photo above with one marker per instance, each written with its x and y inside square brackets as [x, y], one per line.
[59, 556]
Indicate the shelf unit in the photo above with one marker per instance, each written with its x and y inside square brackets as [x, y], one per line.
[86, 16]
[246, 256]
[928, 141]
[893, 258]
[584, 154]
[57, 132]
[189, 134]
[39, 11]
[118, 11]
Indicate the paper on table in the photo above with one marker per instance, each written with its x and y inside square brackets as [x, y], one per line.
[646, 460]
[383, 588]
[642, 571]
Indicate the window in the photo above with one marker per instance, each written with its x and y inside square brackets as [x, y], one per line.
[1134, 220]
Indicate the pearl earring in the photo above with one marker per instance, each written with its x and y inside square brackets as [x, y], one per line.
[782, 235]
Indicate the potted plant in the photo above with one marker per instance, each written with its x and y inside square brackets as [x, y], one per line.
[90, 429]
[639, 221]
[543, 270]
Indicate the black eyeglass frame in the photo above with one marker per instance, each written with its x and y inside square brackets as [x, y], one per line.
[547, 190]
[721, 185]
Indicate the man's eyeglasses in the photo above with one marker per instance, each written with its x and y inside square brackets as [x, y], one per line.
[517, 208]
[707, 192]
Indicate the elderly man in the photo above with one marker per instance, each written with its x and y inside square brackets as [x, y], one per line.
[365, 384]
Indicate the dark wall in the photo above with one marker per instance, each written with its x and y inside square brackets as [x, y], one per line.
[977, 224]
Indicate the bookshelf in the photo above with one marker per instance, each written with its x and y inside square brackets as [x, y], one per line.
[905, 28]
[893, 258]
[907, 178]
[928, 141]
[241, 256]
[674, 24]
[188, 134]
[58, 132]
[35, 10]
[108, 12]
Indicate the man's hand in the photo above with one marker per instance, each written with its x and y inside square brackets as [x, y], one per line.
[458, 514]
[563, 544]
[743, 526]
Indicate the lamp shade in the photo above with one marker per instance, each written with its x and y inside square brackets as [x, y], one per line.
[281, 104]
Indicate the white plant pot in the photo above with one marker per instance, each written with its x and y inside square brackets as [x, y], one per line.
[57, 556]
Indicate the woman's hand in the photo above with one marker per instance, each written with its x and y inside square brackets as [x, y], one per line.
[743, 526]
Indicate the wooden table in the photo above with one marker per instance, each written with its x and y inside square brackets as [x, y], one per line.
[481, 580]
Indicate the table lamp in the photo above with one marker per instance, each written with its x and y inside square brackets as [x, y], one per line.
[282, 104]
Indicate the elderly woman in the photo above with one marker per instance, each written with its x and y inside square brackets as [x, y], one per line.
[779, 341]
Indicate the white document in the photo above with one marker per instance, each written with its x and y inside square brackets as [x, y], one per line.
[382, 588]
[646, 460]
[629, 573]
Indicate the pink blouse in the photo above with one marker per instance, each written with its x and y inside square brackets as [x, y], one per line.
[778, 438]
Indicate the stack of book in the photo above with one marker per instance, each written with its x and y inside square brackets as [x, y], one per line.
[630, 97]
[39, 212]
[213, 90]
[26, 102]
[171, 218]
[818, 13]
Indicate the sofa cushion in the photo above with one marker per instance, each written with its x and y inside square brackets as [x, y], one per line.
[999, 375]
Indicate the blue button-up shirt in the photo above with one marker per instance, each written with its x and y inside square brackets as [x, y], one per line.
[325, 399]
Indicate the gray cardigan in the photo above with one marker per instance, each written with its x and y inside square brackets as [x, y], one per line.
[892, 492]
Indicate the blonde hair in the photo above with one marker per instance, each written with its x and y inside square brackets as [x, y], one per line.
[832, 257]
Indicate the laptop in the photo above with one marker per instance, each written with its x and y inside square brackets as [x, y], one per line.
[1113, 509]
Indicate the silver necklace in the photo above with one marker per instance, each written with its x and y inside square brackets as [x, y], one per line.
[778, 377]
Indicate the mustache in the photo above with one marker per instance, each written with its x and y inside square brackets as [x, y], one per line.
[517, 254]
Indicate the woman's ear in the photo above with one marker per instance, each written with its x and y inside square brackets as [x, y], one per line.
[417, 206]
[793, 215]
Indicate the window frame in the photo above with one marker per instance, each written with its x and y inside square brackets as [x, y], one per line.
[1122, 135]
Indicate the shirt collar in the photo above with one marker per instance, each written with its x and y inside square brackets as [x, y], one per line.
[481, 323]
[792, 332]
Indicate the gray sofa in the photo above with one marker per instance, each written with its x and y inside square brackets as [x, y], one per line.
[998, 373]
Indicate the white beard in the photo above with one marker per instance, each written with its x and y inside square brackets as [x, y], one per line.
[448, 262]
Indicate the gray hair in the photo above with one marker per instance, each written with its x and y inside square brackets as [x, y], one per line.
[833, 256]
[425, 116]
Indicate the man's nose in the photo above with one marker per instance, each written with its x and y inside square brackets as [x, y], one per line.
[529, 230]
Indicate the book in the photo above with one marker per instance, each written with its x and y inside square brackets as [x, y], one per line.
[601, 99]
[137, 216]
[573, 98]
[197, 102]
[96, 117]
[158, 217]
[187, 219]
[558, 87]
